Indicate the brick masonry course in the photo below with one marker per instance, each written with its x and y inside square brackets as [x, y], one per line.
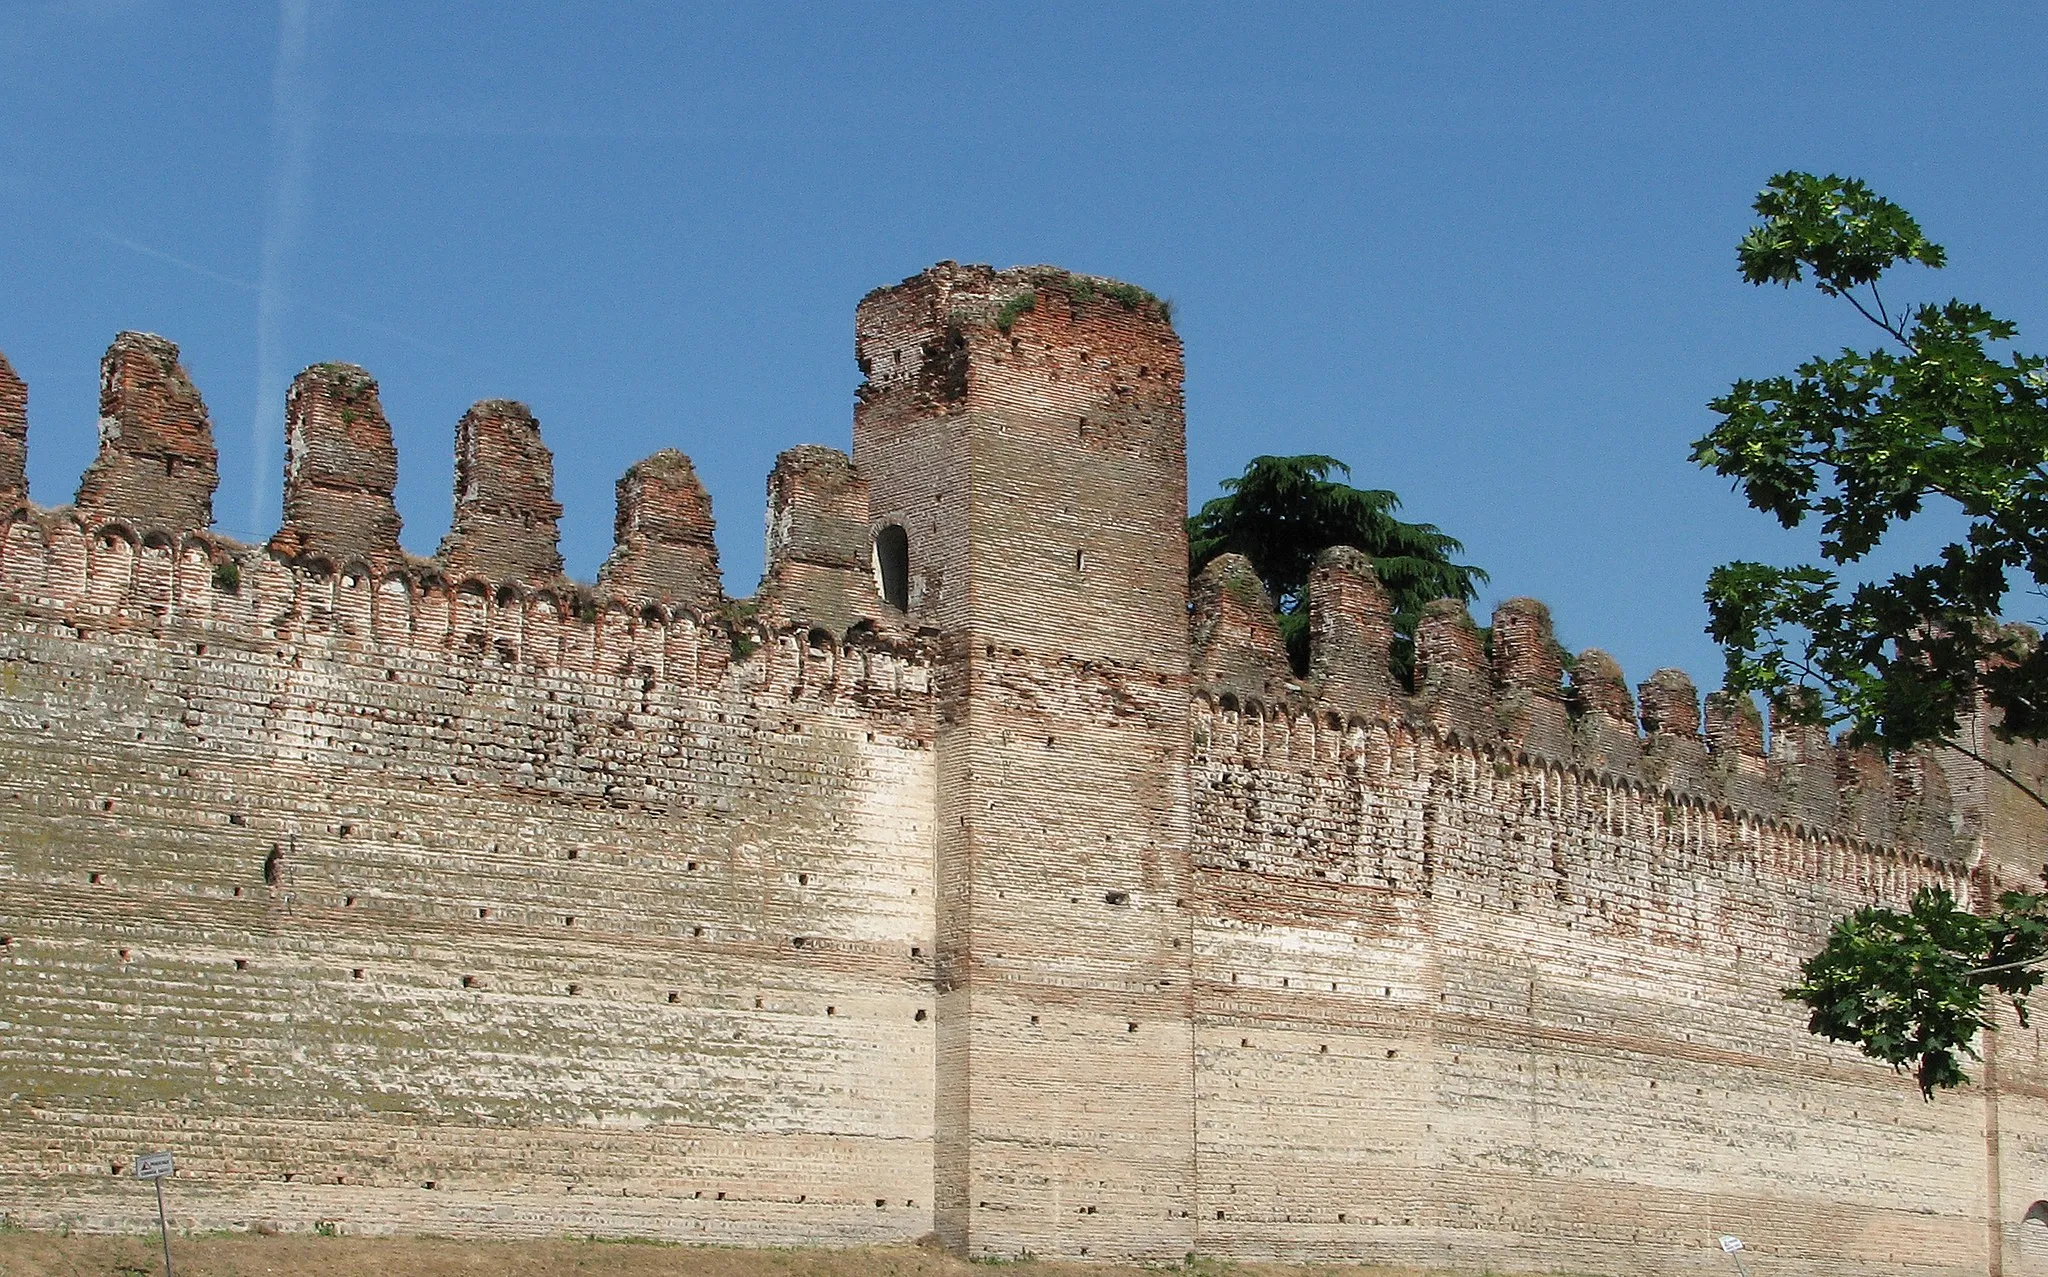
[989, 890]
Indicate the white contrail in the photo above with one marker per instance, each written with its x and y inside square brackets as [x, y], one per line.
[292, 110]
[288, 301]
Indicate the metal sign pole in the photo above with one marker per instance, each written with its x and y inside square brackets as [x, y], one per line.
[163, 1225]
[1733, 1248]
[158, 1166]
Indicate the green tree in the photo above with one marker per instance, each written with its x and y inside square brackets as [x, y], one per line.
[1940, 415]
[1284, 511]
[1908, 987]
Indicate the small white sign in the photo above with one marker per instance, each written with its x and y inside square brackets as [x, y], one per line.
[153, 1166]
[1731, 1244]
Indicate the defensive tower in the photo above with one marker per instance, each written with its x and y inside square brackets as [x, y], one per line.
[450, 895]
[1024, 434]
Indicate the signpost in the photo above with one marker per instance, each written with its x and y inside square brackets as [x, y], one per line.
[1732, 1247]
[157, 1166]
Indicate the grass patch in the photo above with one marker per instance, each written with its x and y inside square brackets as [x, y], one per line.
[1081, 290]
[36, 1254]
[739, 616]
[1022, 304]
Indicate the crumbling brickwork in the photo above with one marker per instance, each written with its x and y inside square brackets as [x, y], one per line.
[979, 875]
[662, 537]
[156, 468]
[340, 470]
[819, 543]
[13, 442]
[505, 526]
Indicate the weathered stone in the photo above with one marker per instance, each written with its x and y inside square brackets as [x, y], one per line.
[1451, 673]
[1671, 705]
[819, 570]
[1735, 738]
[1804, 764]
[13, 443]
[1604, 727]
[1351, 631]
[391, 903]
[157, 468]
[1236, 643]
[1529, 666]
[1675, 755]
[340, 471]
[662, 546]
[505, 509]
[1598, 688]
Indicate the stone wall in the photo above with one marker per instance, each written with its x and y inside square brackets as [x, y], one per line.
[429, 903]
[1487, 979]
[1044, 414]
[1051, 911]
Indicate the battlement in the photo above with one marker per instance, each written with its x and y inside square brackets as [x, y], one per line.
[146, 500]
[141, 524]
[143, 513]
[1516, 694]
[980, 875]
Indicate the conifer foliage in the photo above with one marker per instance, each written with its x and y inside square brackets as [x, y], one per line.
[1284, 511]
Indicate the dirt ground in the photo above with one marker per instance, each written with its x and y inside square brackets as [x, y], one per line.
[25, 1254]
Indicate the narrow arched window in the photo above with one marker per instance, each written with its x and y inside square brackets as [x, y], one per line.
[2034, 1239]
[892, 565]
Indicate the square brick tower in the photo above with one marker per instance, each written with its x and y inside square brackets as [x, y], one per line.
[1024, 434]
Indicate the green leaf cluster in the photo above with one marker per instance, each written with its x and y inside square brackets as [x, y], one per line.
[1081, 289]
[1021, 304]
[1936, 416]
[1284, 511]
[1908, 986]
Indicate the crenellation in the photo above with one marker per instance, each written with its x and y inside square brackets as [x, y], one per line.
[1528, 667]
[1453, 678]
[663, 548]
[1670, 705]
[505, 509]
[157, 466]
[1674, 751]
[819, 565]
[1006, 885]
[1236, 643]
[1863, 783]
[1603, 713]
[1735, 744]
[13, 444]
[1804, 766]
[340, 470]
[1351, 633]
[1924, 815]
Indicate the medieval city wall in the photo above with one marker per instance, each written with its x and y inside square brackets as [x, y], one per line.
[1025, 906]
[449, 903]
[1487, 978]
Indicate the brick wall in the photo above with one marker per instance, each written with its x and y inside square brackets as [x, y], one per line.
[1051, 913]
[445, 906]
[1035, 457]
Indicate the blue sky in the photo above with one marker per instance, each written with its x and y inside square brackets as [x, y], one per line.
[1484, 253]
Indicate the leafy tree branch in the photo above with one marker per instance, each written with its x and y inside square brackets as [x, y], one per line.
[1943, 416]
